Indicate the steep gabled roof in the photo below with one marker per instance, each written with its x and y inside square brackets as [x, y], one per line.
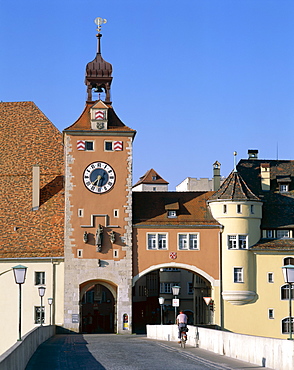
[234, 188]
[151, 177]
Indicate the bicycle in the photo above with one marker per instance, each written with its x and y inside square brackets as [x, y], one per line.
[183, 339]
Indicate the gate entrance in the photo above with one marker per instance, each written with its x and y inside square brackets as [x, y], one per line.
[97, 310]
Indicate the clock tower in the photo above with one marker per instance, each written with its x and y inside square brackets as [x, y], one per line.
[98, 210]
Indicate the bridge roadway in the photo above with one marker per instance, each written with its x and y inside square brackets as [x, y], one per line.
[130, 352]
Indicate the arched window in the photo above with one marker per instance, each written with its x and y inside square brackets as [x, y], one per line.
[285, 325]
[288, 261]
[285, 292]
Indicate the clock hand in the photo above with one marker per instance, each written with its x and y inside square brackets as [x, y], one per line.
[97, 180]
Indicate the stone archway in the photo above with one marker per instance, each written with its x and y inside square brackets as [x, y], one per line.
[97, 307]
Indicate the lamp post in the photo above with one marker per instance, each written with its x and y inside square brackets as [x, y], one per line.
[176, 291]
[50, 301]
[41, 294]
[20, 276]
[161, 302]
[288, 272]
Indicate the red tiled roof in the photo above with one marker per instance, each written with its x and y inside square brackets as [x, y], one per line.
[274, 244]
[29, 138]
[83, 123]
[149, 208]
[151, 177]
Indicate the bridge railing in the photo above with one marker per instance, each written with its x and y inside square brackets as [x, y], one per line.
[18, 356]
[267, 352]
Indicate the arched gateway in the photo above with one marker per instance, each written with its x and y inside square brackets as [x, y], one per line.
[97, 307]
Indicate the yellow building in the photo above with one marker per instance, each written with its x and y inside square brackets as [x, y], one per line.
[255, 206]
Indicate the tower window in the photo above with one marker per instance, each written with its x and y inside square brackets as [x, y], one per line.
[239, 209]
[238, 274]
[89, 145]
[237, 241]
[252, 209]
[225, 208]
[108, 146]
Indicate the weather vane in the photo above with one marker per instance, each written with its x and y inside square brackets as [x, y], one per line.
[99, 21]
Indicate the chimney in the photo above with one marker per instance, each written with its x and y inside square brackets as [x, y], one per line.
[252, 154]
[36, 188]
[265, 176]
[216, 175]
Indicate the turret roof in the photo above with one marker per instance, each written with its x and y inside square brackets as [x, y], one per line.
[234, 188]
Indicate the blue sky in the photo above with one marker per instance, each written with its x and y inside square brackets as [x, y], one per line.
[197, 79]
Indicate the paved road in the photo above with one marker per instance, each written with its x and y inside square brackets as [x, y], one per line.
[130, 352]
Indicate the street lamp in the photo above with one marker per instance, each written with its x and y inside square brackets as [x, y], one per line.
[161, 302]
[20, 276]
[288, 272]
[50, 301]
[41, 294]
[176, 291]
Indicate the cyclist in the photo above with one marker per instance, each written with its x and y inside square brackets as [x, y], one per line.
[182, 320]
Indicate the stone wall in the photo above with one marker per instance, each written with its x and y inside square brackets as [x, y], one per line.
[272, 353]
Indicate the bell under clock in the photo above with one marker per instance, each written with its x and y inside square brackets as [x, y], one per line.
[99, 177]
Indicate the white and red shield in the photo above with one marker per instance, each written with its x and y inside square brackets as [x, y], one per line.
[81, 145]
[99, 114]
[117, 145]
[173, 255]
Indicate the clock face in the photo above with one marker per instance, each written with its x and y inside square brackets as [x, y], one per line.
[99, 177]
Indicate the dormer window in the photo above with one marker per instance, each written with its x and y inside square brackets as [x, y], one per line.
[172, 214]
[283, 183]
[154, 178]
[284, 188]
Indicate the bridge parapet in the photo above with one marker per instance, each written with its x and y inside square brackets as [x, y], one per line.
[267, 352]
[17, 356]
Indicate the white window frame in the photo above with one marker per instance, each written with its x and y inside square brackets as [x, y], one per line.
[270, 234]
[283, 188]
[93, 147]
[42, 279]
[236, 241]
[287, 322]
[238, 275]
[285, 290]
[39, 314]
[189, 245]
[239, 209]
[172, 214]
[153, 243]
[108, 141]
[281, 232]
[270, 277]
